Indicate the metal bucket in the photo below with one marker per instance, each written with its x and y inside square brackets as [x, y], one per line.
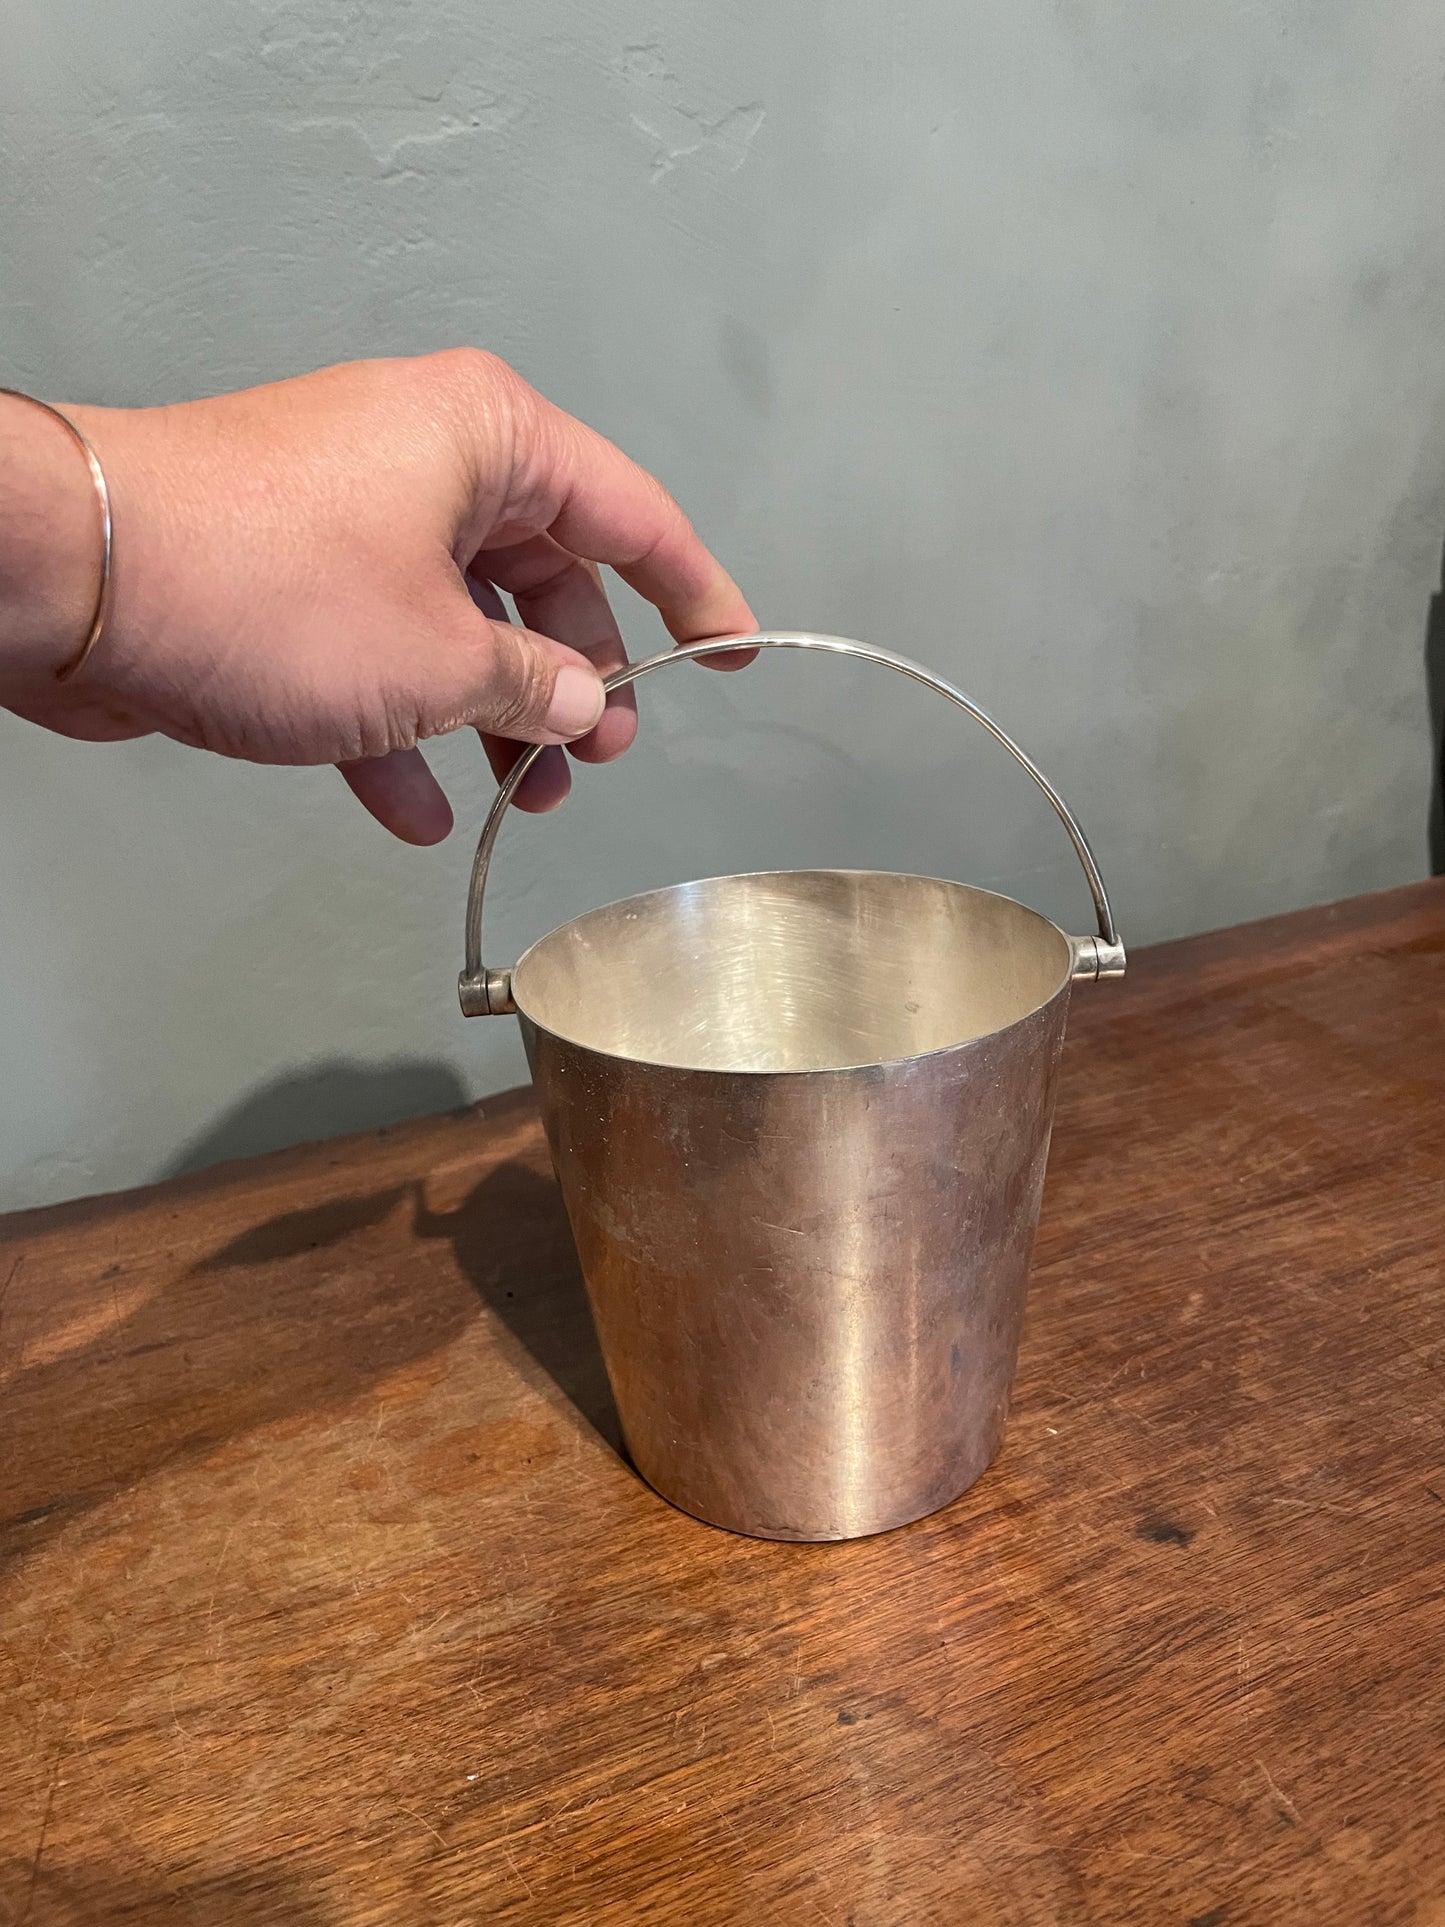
[800, 1122]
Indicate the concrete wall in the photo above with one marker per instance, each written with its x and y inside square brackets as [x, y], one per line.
[1090, 350]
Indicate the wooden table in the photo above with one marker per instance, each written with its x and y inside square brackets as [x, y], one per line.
[326, 1598]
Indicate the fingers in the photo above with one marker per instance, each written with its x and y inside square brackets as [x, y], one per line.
[563, 597]
[511, 685]
[526, 685]
[612, 511]
[511, 682]
[549, 781]
[599, 505]
[402, 794]
[617, 513]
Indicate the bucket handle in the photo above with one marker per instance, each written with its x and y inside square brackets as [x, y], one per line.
[488, 993]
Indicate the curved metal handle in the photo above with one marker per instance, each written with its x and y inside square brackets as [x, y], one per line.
[489, 992]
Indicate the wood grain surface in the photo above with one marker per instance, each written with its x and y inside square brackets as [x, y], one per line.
[325, 1598]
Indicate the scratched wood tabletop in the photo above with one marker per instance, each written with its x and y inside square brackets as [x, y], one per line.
[326, 1599]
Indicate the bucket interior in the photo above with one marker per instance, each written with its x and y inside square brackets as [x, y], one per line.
[795, 970]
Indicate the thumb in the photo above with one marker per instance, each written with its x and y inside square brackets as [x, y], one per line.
[505, 681]
[513, 682]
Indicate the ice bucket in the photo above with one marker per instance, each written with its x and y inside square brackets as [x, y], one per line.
[800, 1122]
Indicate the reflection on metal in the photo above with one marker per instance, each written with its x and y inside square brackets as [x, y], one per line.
[800, 1122]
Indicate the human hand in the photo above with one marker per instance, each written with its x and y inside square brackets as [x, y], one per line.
[308, 573]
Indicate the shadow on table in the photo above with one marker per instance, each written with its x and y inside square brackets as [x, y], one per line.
[262, 1330]
[97, 1895]
[536, 1291]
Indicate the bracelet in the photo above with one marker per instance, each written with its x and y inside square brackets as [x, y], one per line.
[102, 494]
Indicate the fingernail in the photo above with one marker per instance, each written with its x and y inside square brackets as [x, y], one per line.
[578, 700]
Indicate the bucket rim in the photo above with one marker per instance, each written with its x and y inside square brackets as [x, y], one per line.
[1062, 987]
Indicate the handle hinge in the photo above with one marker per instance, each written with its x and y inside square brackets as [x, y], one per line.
[1094, 957]
[488, 994]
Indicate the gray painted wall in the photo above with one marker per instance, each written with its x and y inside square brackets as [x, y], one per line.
[1090, 350]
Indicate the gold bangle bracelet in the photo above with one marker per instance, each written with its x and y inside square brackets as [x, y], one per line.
[102, 495]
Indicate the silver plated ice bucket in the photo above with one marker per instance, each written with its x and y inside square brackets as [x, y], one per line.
[800, 1122]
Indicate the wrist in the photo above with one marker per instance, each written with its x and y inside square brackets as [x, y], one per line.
[50, 546]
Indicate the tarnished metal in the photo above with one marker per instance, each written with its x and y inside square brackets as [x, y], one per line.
[1093, 958]
[800, 1121]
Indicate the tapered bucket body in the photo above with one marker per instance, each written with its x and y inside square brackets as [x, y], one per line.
[800, 1123]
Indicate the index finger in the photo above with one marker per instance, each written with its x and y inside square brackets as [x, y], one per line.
[610, 510]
